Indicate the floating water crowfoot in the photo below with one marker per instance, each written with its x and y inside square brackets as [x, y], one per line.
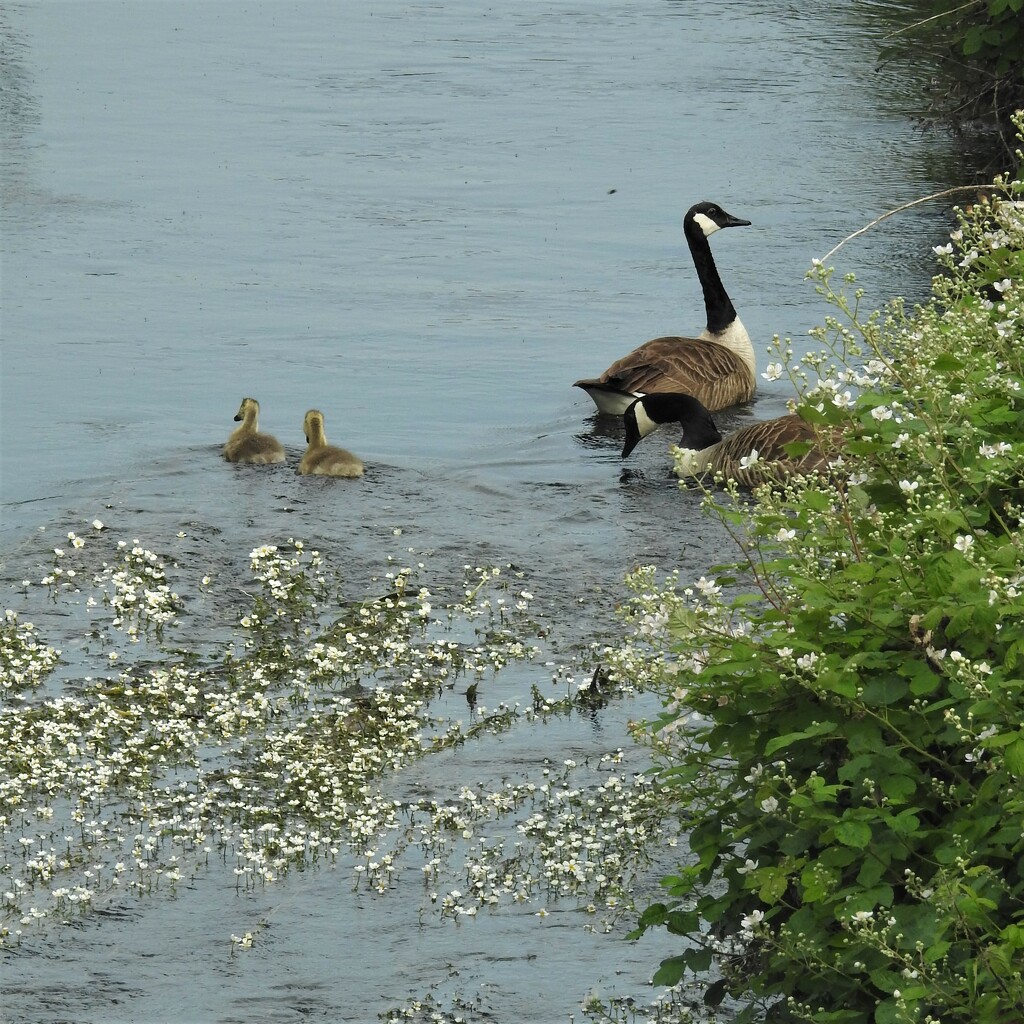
[25, 662]
[276, 738]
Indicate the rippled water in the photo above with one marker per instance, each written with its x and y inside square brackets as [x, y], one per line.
[426, 220]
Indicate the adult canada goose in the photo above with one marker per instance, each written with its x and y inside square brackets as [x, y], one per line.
[247, 444]
[717, 368]
[322, 459]
[749, 455]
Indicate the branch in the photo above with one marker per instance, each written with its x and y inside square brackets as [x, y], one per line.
[900, 209]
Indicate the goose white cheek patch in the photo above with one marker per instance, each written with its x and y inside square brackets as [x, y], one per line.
[705, 223]
[644, 424]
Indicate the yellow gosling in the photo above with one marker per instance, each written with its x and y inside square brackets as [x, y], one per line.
[322, 459]
[247, 444]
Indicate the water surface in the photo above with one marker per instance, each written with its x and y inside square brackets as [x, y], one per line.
[427, 220]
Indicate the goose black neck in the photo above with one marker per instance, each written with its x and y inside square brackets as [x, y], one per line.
[720, 309]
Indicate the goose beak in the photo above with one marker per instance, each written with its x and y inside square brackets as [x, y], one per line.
[633, 435]
[631, 443]
[238, 417]
[735, 222]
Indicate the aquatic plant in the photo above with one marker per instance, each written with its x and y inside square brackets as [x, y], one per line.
[841, 734]
[258, 719]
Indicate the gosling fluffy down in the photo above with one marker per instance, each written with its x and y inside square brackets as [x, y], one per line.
[322, 459]
[247, 444]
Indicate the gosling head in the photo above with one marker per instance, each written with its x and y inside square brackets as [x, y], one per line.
[313, 426]
[249, 408]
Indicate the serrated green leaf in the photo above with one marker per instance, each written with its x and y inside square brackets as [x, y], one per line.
[670, 972]
[698, 959]
[1014, 758]
[853, 833]
[816, 729]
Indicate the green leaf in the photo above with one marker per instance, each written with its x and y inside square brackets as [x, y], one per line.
[853, 833]
[715, 992]
[905, 823]
[670, 972]
[898, 788]
[947, 363]
[682, 922]
[1014, 758]
[774, 885]
[698, 959]
[816, 729]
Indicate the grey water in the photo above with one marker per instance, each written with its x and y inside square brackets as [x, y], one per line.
[427, 220]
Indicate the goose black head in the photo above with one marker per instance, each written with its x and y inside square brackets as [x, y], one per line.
[707, 218]
[648, 413]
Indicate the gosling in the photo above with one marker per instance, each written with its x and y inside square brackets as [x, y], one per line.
[322, 459]
[247, 444]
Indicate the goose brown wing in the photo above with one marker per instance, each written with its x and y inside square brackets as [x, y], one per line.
[710, 372]
[774, 462]
[768, 437]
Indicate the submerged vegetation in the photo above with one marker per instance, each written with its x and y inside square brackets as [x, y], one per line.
[264, 725]
[842, 729]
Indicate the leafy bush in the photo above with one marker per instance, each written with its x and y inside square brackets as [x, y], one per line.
[843, 721]
[977, 49]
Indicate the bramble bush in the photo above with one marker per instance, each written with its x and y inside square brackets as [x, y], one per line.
[842, 730]
[977, 51]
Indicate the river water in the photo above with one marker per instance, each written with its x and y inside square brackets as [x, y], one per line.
[427, 220]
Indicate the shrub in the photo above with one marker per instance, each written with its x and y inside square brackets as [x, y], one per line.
[977, 49]
[843, 729]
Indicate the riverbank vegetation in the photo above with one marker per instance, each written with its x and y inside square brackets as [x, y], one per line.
[842, 730]
[975, 51]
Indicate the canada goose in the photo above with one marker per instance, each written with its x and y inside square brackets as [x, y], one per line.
[718, 367]
[322, 459]
[247, 444]
[749, 455]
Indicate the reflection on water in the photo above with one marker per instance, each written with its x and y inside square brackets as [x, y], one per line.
[426, 221]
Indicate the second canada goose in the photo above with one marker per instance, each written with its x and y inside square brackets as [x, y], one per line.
[322, 459]
[247, 444]
[718, 367]
[749, 455]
